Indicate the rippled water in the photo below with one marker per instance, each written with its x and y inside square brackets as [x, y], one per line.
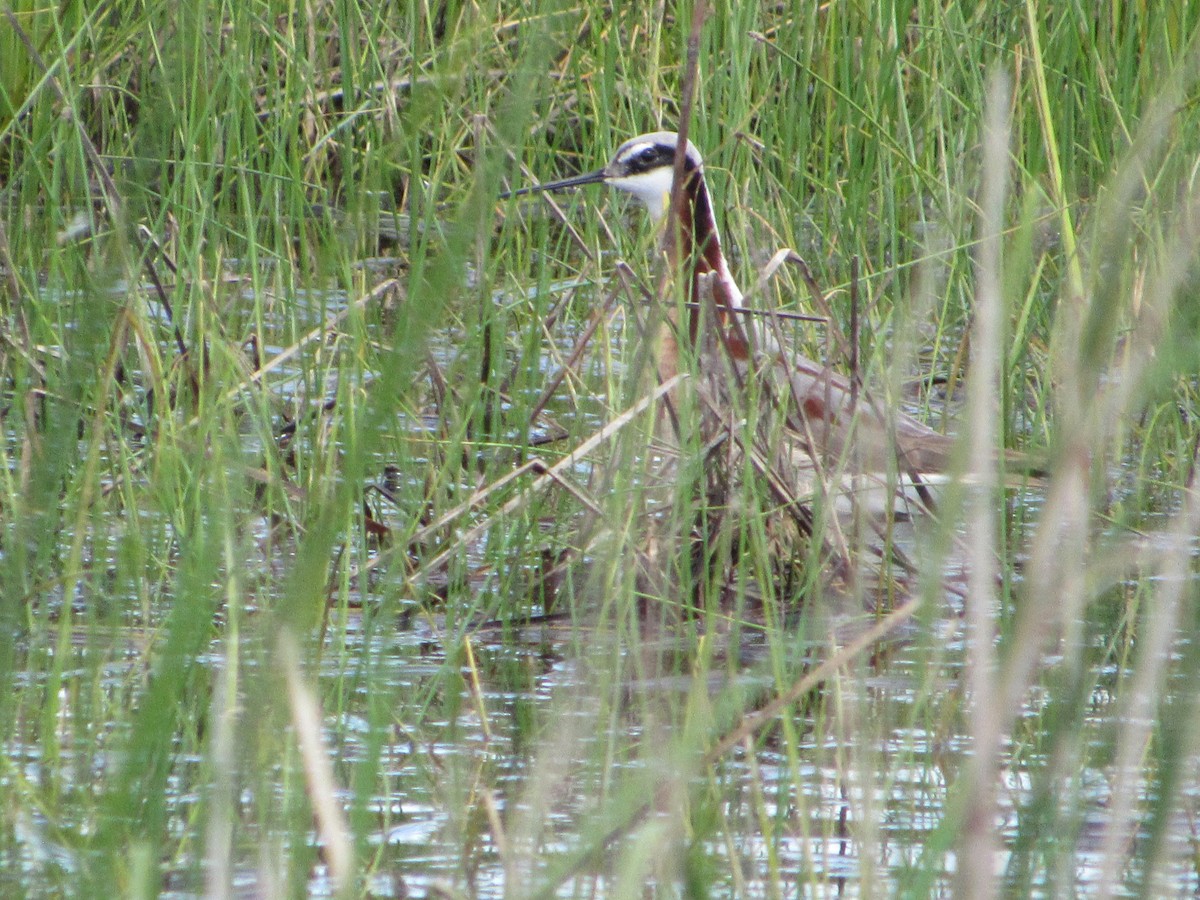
[854, 793]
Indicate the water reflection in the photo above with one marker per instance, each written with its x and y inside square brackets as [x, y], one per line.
[497, 748]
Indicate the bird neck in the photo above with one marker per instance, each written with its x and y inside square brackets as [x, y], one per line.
[700, 242]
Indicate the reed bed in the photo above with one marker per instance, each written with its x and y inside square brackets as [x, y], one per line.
[343, 549]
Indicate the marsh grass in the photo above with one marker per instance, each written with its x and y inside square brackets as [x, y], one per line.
[276, 518]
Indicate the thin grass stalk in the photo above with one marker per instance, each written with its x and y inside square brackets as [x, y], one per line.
[1144, 696]
[1075, 291]
[846, 133]
[219, 830]
[980, 844]
[1088, 412]
[1161, 630]
[333, 831]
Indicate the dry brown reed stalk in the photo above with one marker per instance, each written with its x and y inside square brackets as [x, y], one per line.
[755, 437]
[573, 358]
[746, 728]
[551, 475]
[664, 533]
[318, 333]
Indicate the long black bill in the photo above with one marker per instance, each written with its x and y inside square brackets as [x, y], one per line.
[590, 178]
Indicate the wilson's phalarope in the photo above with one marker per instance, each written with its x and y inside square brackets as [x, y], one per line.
[823, 405]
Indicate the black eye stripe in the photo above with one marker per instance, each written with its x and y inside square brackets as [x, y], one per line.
[648, 158]
[647, 152]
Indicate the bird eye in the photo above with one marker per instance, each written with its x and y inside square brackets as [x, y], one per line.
[649, 154]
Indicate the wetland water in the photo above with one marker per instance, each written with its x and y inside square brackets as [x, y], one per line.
[799, 818]
[472, 758]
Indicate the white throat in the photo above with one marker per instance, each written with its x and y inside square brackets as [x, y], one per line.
[652, 188]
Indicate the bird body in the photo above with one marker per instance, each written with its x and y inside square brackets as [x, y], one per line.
[836, 422]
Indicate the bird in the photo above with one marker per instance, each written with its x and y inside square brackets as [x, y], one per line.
[644, 166]
[838, 423]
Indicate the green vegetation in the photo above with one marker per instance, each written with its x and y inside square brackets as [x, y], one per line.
[278, 374]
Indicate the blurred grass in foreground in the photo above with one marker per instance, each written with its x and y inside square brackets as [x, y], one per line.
[250, 260]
